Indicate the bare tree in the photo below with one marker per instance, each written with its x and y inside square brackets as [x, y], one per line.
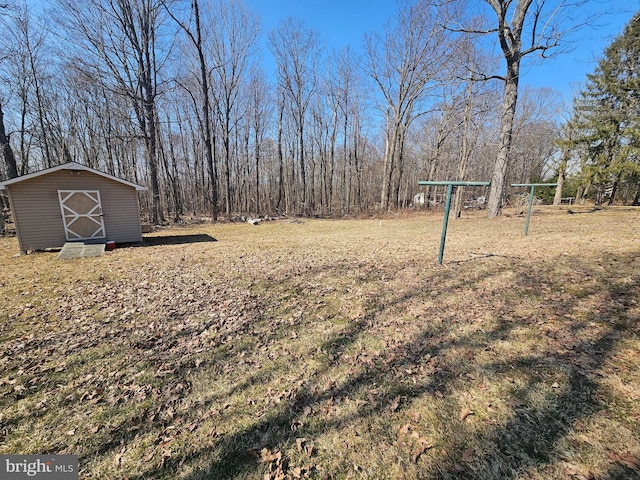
[32, 44]
[534, 135]
[344, 86]
[10, 164]
[405, 64]
[523, 27]
[117, 40]
[24, 44]
[473, 109]
[565, 143]
[231, 44]
[324, 133]
[259, 114]
[7, 151]
[194, 34]
[297, 51]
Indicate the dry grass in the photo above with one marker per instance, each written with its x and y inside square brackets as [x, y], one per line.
[333, 349]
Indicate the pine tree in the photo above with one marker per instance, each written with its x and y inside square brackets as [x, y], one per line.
[606, 120]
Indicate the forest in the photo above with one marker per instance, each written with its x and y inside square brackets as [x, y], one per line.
[175, 95]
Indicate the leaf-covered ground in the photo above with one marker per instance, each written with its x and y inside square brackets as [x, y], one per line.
[333, 349]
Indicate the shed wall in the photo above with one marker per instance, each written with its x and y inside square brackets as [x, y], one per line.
[37, 215]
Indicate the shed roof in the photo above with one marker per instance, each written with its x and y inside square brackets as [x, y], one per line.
[69, 166]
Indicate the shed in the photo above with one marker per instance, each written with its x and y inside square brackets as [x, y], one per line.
[73, 202]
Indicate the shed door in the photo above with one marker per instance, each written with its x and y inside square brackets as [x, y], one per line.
[81, 214]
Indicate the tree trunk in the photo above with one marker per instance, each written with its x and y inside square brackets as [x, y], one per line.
[390, 164]
[400, 168]
[7, 151]
[499, 175]
[614, 190]
[257, 162]
[152, 161]
[206, 108]
[226, 144]
[280, 155]
[465, 153]
[301, 153]
[40, 103]
[151, 140]
[386, 174]
[585, 191]
[562, 168]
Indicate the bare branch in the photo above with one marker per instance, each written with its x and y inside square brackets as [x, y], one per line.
[470, 30]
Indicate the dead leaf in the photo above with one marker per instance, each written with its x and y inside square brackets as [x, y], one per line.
[300, 442]
[404, 430]
[300, 472]
[466, 411]
[418, 452]
[586, 439]
[166, 455]
[629, 461]
[267, 456]
[149, 456]
[574, 471]
[468, 455]
[308, 448]
[192, 426]
[394, 404]
[571, 469]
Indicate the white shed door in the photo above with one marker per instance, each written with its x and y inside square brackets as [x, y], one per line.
[82, 214]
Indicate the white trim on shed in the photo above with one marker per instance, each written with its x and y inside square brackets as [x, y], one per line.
[70, 166]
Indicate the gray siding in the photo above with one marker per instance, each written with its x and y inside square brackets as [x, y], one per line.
[37, 215]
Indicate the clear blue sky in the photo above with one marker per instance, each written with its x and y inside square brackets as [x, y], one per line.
[344, 22]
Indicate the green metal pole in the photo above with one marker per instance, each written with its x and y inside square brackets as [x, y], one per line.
[526, 225]
[532, 186]
[447, 206]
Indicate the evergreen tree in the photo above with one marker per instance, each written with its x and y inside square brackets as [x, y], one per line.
[606, 121]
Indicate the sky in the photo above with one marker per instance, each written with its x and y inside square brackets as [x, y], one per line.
[344, 22]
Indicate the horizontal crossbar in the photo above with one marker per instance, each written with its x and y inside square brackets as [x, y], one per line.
[458, 184]
[534, 184]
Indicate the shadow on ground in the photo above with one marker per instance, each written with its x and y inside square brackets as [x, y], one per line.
[530, 441]
[176, 240]
[439, 352]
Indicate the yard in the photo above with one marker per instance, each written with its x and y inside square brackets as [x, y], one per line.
[333, 349]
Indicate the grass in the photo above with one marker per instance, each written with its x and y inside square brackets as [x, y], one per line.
[333, 349]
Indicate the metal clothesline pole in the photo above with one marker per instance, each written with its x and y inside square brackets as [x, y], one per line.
[533, 186]
[447, 206]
